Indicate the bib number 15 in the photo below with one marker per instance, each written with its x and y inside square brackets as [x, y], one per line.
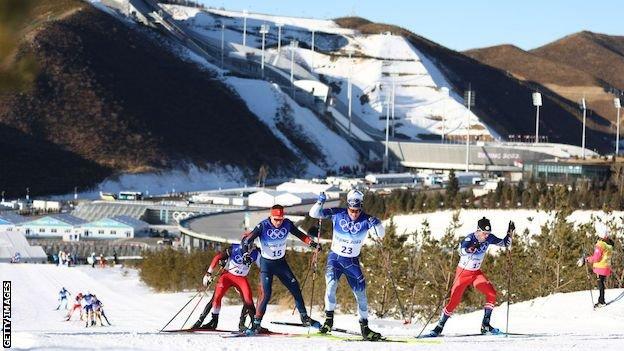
[277, 253]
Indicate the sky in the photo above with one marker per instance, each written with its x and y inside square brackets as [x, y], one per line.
[460, 24]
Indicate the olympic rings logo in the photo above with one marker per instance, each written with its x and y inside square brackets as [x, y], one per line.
[277, 233]
[238, 259]
[351, 227]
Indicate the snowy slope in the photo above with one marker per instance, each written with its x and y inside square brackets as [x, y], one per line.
[422, 102]
[138, 313]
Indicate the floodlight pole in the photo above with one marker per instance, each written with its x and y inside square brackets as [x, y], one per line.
[245, 12]
[393, 75]
[537, 102]
[222, 43]
[264, 29]
[293, 45]
[469, 103]
[584, 107]
[618, 105]
[349, 88]
[386, 161]
[445, 90]
[279, 37]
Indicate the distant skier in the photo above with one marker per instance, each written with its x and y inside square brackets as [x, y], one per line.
[234, 274]
[472, 251]
[273, 233]
[63, 298]
[601, 260]
[350, 228]
[16, 258]
[77, 306]
[87, 303]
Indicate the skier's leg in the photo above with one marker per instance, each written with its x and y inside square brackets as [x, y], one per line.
[482, 284]
[242, 285]
[223, 285]
[266, 279]
[286, 276]
[333, 272]
[462, 279]
[355, 278]
[601, 288]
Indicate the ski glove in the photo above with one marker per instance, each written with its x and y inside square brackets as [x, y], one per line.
[322, 198]
[581, 261]
[316, 246]
[247, 259]
[511, 227]
[207, 279]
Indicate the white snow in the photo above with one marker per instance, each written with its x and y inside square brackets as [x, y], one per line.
[531, 220]
[422, 104]
[566, 321]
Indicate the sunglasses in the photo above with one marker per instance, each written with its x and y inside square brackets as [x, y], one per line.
[354, 210]
[278, 219]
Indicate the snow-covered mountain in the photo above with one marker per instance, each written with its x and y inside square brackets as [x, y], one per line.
[556, 322]
[425, 104]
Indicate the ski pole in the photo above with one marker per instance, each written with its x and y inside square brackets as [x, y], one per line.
[396, 291]
[181, 309]
[192, 298]
[314, 265]
[305, 279]
[194, 308]
[509, 274]
[589, 284]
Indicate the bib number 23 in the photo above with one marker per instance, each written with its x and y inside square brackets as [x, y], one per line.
[346, 250]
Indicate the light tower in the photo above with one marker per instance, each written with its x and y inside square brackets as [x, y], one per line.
[446, 93]
[393, 96]
[537, 102]
[349, 87]
[583, 106]
[222, 42]
[245, 13]
[264, 29]
[279, 36]
[469, 100]
[293, 46]
[618, 105]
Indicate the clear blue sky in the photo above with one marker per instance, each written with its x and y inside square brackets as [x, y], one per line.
[462, 24]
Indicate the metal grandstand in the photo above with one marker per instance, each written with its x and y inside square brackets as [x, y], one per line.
[96, 210]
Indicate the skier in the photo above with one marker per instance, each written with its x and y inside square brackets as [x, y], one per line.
[77, 306]
[601, 260]
[472, 252]
[350, 228]
[234, 274]
[63, 298]
[87, 307]
[273, 233]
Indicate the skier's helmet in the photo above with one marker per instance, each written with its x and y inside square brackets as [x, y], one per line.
[484, 225]
[355, 199]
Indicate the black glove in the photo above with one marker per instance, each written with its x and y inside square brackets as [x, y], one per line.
[315, 245]
[511, 227]
[313, 231]
[247, 259]
[473, 247]
[222, 262]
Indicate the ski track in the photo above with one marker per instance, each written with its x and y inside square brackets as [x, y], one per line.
[562, 321]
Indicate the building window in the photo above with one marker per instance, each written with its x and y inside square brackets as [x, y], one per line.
[53, 230]
[9, 229]
[67, 230]
[127, 234]
[113, 232]
[100, 232]
[41, 230]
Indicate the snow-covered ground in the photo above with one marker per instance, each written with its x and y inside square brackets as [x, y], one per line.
[560, 321]
[531, 220]
[423, 104]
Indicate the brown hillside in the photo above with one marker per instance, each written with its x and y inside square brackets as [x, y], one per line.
[567, 81]
[527, 66]
[503, 101]
[597, 54]
[114, 97]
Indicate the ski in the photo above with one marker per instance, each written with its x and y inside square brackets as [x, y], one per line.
[428, 336]
[198, 330]
[243, 334]
[339, 330]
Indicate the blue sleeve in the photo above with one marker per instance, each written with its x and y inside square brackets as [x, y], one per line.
[250, 238]
[494, 240]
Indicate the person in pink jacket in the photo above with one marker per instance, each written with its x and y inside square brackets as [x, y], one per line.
[601, 260]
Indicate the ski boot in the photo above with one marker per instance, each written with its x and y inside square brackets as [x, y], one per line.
[197, 324]
[329, 322]
[256, 328]
[212, 325]
[600, 304]
[367, 333]
[436, 331]
[306, 321]
[489, 330]
[241, 324]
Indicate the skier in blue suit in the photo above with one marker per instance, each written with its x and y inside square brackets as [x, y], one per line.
[350, 228]
[273, 233]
